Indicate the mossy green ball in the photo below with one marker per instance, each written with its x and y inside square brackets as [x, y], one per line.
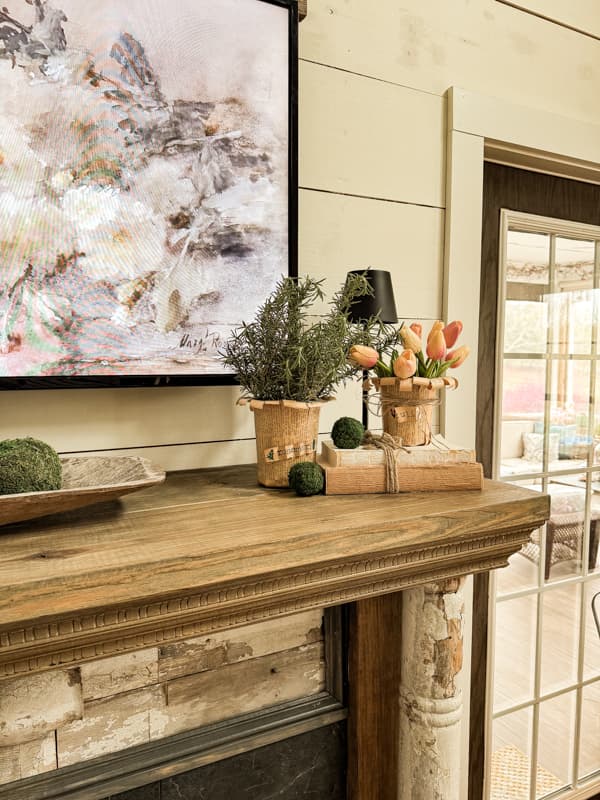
[28, 465]
[347, 433]
[306, 478]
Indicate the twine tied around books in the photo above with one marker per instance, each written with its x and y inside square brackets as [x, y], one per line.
[389, 445]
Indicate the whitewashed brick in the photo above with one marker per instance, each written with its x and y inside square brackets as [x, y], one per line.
[32, 706]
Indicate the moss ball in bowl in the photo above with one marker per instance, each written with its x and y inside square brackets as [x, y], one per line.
[347, 433]
[306, 478]
[28, 465]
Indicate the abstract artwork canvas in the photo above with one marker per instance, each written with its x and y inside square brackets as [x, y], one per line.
[144, 181]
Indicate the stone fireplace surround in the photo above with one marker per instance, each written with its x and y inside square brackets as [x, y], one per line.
[210, 552]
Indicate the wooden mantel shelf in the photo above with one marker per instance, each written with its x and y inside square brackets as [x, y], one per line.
[210, 550]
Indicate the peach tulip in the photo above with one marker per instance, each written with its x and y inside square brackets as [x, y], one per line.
[417, 328]
[436, 344]
[458, 356]
[405, 365]
[363, 356]
[452, 331]
[410, 339]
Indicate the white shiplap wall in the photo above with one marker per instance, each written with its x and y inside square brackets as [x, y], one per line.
[373, 78]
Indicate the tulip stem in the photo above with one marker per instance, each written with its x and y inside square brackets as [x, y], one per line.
[422, 366]
[382, 370]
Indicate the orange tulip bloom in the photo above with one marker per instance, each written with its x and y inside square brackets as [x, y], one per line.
[363, 356]
[458, 356]
[411, 339]
[405, 365]
[436, 344]
[452, 331]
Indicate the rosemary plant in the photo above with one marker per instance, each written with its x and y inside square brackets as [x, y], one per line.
[283, 355]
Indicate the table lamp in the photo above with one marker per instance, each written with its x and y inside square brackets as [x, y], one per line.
[380, 303]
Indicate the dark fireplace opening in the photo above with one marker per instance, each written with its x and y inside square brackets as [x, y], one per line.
[311, 766]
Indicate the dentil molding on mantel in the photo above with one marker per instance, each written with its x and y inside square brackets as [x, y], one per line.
[210, 550]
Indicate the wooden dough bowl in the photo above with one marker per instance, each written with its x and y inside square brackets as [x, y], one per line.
[86, 480]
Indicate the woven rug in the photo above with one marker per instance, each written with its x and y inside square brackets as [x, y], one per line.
[510, 776]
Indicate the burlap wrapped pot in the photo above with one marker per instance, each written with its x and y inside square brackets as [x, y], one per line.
[286, 433]
[407, 407]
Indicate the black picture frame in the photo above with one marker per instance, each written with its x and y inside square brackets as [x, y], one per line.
[88, 381]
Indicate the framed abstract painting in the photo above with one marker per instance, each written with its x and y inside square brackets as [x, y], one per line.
[148, 183]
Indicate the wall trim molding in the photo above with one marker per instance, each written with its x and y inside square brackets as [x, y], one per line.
[539, 161]
[498, 120]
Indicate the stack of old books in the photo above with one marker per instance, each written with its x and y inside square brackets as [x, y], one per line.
[437, 466]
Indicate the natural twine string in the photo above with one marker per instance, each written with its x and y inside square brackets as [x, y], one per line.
[387, 405]
[389, 446]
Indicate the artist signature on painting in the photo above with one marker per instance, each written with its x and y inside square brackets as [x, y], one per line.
[201, 343]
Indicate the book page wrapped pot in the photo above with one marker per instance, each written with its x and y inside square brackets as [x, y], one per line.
[286, 433]
[407, 406]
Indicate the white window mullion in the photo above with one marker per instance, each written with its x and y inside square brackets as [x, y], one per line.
[535, 725]
[587, 523]
[489, 686]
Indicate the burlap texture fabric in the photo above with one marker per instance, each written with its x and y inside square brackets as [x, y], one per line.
[286, 433]
[406, 414]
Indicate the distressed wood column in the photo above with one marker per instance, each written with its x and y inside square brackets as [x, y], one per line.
[430, 702]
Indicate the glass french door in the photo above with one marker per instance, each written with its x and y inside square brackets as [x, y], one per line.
[543, 705]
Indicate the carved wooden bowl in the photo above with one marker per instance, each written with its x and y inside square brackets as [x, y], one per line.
[86, 480]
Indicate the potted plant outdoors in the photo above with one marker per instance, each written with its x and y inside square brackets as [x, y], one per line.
[288, 364]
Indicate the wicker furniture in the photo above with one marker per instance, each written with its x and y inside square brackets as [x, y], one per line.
[564, 537]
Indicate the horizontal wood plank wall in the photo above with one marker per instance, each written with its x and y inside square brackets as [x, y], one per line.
[372, 174]
[581, 15]
[483, 46]
[392, 137]
[341, 233]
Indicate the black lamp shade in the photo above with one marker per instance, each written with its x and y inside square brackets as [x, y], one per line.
[381, 302]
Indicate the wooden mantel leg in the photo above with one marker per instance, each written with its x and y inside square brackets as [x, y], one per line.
[430, 701]
[374, 685]
[405, 709]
